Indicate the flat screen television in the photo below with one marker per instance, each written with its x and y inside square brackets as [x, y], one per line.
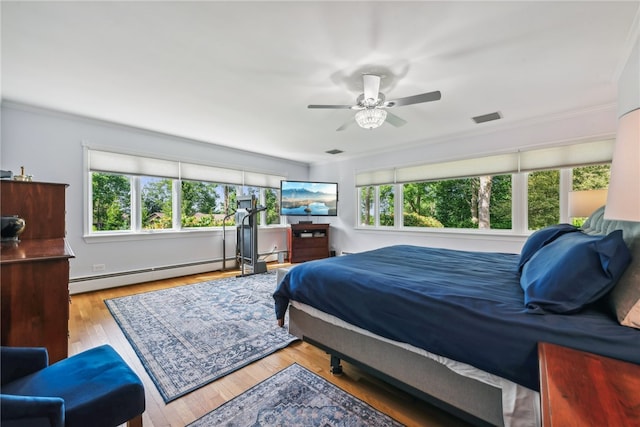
[307, 198]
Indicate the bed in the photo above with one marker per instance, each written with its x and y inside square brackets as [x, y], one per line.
[460, 329]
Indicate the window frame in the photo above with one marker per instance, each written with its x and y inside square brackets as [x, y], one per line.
[519, 207]
[135, 230]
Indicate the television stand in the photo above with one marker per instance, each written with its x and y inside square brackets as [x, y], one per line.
[308, 242]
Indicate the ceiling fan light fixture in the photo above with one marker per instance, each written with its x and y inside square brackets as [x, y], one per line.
[371, 118]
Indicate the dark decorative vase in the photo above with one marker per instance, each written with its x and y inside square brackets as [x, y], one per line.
[12, 226]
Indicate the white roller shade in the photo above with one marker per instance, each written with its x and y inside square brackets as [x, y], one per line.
[493, 165]
[262, 180]
[384, 176]
[567, 156]
[105, 161]
[196, 172]
[547, 158]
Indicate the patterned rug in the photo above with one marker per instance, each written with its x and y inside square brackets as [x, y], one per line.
[293, 397]
[189, 336]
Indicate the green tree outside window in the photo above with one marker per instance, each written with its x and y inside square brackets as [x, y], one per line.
[157, 208]
[111, 205]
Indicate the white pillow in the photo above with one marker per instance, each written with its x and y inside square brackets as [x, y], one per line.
[625, 296]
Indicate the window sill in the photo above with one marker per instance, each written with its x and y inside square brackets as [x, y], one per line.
[450, 232]
[107, 237]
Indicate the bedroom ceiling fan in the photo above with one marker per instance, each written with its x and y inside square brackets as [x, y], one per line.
[372, 105]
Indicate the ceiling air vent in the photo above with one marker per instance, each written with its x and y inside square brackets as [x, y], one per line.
[334, 151]
[487, 117]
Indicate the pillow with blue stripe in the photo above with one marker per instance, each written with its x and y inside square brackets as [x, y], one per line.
[540, 238]
[574, 270]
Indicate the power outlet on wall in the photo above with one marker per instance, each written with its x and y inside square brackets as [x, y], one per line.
[98, 267]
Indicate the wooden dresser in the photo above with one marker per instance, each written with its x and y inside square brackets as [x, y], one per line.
[35, 270]
[308, 242]
[583, 389]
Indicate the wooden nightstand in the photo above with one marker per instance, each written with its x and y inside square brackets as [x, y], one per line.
[583, 389]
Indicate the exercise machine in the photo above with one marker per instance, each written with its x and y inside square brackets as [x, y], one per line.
[224, 241]
[247, 235]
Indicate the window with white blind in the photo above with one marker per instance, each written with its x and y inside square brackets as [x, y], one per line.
[130, 193]
[517, 191]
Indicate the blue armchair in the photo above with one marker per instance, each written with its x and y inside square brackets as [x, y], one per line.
[94, 388]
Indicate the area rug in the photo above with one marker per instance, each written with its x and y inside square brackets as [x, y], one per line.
[189, 336]
[295, 396]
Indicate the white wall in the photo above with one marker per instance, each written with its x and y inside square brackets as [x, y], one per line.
[629, 82]
[49, 145]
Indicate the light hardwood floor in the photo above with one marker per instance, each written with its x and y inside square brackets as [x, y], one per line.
[91, 324]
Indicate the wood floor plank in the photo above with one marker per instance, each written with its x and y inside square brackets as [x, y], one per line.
[91, 324]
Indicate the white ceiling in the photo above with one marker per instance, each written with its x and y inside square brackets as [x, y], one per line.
[241, 74]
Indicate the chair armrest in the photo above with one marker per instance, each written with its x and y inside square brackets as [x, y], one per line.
[32, 411]
[17, 362]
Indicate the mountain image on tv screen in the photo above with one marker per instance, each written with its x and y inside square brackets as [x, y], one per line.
[308, 198]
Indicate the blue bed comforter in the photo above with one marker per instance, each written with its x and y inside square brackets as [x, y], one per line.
[467, 306]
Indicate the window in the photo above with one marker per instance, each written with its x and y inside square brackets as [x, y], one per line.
[386, 201]
[484, 202]
[543, 198]
[229, 203]
[111, 202]
[204, 204]
[545, 189]
[156, 203]
[272, 203]
[132, 193]
[367, 204]
[483, 193]
[595, 177]
[481, 202]
[385, 196]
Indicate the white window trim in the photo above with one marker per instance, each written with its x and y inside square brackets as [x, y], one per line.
[519, 208]
[166, 168]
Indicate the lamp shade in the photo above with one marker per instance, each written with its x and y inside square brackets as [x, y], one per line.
[584, 203]
[371, 118]
[623, 200]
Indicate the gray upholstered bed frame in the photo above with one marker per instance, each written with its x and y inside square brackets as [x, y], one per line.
[471, 400]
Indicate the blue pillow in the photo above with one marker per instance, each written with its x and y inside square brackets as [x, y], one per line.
[574, 270]
[541, 238]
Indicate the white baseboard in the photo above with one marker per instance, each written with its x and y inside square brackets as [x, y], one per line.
[105, 281]
[95, 283]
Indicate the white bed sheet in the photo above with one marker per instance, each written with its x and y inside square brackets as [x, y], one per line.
[520, 405]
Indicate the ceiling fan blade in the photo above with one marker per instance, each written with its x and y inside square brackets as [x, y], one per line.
[394, 120]
[346, 125]
[371, 86]
[415, 99]
[339, 107]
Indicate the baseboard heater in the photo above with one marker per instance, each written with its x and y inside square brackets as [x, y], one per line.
[144, 270]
